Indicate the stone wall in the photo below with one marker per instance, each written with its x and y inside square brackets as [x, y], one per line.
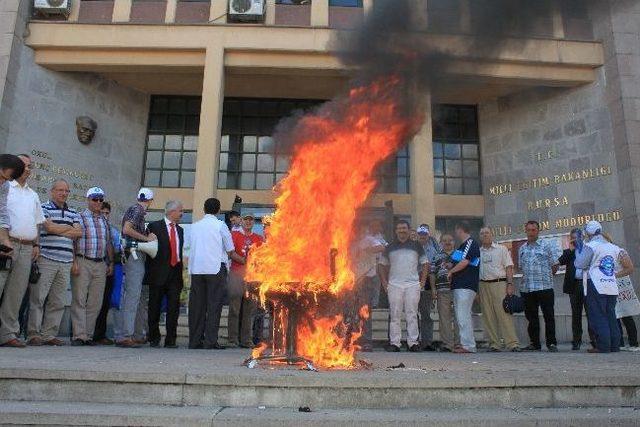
[547, 155]
[39, 109]
[12, 14]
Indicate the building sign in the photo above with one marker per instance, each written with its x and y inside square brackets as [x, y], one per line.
[534, 205]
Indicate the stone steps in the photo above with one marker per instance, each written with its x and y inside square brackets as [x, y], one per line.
[380, 326]
[95, 414]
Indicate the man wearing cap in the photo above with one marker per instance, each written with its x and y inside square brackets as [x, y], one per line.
[496, 281]
[164, 274]
[239, 302]
[90, 269]
[133, 228]
[602, 263]
[57, 236]
[25, 216]
[431, 249]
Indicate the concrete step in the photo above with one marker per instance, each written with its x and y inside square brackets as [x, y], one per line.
[83, 414]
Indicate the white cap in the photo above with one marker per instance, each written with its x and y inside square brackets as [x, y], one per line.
[145, 194]
[95, 192]
[592, 228]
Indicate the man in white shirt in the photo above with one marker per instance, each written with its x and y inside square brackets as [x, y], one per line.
[25, 216]
[211, 243]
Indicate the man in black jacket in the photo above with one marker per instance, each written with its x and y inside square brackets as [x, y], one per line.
[573, 287]
[164, 274]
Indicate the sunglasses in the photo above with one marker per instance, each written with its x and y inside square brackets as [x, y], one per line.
[97, 199]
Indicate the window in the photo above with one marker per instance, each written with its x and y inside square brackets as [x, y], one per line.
[250, 159]
[346, 3]
[172, 142]
[456, 156]
[444, 15]
[448, 224]
[293, 1]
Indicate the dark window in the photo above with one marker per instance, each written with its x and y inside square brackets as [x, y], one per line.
[444, 15]
[346, 3]
[456, 150]
[250, 159]
[448, 224]
[172, 142]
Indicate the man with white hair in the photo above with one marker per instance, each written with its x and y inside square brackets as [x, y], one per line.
[164, 274]
[602, 263]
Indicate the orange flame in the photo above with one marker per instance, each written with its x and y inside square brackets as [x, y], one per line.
[259, 350]
[331, 176]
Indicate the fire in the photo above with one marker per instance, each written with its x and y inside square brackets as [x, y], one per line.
[336, 152]
[259, 350]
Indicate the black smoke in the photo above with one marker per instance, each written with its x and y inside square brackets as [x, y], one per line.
[407, 38]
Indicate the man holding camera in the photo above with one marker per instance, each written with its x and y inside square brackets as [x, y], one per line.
[11, 167]
[25, 216]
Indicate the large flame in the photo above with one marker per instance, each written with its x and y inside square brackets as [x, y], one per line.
[336, 152]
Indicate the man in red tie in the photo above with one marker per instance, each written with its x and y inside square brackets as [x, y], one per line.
[164, 274]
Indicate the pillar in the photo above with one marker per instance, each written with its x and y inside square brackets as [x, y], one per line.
[558, 24]
[320, 13]
[208, 155]
[74, 12]
[270, 13]
[465, 16]
[218, 11]
[121, 10]
[421, 167]
[367, 5]
[170, 14]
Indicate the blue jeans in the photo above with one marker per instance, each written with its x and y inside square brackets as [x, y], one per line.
[601, 311]
[125, 317]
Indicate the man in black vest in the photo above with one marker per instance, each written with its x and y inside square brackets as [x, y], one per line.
[164, 274]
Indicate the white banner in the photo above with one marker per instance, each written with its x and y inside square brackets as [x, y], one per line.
[628, 304]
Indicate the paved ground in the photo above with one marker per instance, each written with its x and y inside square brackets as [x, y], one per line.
[229, 362]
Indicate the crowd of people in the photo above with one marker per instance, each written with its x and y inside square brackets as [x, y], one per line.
[46, 246]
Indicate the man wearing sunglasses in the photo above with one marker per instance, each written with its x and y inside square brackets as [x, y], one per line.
[89, 268]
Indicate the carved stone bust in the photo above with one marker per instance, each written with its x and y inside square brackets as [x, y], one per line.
[85, 129]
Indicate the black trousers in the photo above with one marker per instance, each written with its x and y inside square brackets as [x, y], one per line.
[632, 331]
[100, 332]
[543, 300]
[577, 307]
[171, 288]
[206, 298]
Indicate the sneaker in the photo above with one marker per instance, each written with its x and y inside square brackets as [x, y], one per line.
[553, 348]
[415, 349]
[392, 348]
[634, 349]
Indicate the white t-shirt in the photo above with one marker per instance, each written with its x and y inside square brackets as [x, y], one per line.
[364, 263]
[210, 243]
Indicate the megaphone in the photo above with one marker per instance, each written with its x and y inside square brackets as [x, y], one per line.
[149, 248]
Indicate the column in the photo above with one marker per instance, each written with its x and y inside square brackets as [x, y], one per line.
[206, 182]
[558, 24]
[74, 12]
[121, 10]
[270, 13]
[367, 5]
[420, 15]
[170, 14]
[320, 13]
[218, 11]
[423, 208]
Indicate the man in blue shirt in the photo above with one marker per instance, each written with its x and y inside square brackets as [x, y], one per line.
[465, 278]
[538, 264]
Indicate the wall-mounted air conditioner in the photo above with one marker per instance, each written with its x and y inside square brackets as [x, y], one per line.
[246, 10]
[52, 7]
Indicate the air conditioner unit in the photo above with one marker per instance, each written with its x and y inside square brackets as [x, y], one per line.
[246, 10]
[52, 7]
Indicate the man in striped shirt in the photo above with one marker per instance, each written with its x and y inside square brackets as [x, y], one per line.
[60, 229]
[89, 268]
